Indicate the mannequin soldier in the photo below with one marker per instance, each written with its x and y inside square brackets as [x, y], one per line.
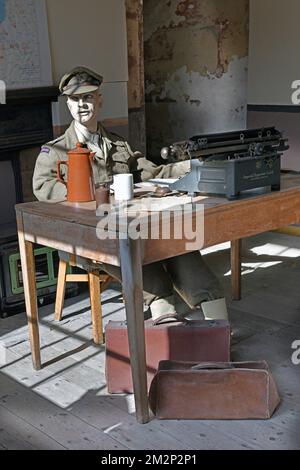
[187, 275]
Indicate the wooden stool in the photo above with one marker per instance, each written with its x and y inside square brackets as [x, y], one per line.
[97, 284]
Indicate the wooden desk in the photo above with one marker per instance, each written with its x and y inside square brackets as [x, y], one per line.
[72, 228]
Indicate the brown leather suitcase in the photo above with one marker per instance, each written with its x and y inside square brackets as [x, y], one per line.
[191, 390]
[192, 341]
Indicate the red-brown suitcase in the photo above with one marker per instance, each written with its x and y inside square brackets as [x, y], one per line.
[201, 340]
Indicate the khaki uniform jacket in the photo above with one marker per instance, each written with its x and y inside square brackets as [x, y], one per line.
[120, 159]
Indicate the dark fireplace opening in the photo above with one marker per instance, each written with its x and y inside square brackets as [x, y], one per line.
[8, 199]
[7, 193]
[25, 123]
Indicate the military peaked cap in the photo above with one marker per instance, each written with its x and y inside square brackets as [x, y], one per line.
[80, 80]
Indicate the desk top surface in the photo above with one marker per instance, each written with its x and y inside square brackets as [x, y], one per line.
[85, 213]
[72, 227]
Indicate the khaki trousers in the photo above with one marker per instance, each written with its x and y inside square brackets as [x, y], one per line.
[188, 275]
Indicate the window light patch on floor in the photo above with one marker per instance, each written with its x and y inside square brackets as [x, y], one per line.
[254, 266]
[213, 249]
[3, 358]
[111, 428]
[273, 249]
[130, 403]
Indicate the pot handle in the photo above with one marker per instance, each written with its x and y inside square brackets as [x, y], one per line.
[91, 156]
[58, 175]
[213, 366]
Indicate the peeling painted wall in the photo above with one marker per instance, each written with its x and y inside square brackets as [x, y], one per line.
[196, 58]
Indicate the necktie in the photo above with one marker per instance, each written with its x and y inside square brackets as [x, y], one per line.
[94, 145]
[94, 138]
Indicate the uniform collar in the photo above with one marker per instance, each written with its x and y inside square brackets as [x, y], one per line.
[72, 139]
[84, 135]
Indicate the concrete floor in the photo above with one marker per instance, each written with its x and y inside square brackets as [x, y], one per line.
[66, 405]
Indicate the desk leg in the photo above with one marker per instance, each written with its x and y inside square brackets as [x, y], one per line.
[236, 247]
[28, 273]
[132, 282]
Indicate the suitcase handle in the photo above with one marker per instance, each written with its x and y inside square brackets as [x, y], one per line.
[172, 317]
[213, 365]
[175, 318]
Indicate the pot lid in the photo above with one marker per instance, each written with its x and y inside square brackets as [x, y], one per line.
[80, 149]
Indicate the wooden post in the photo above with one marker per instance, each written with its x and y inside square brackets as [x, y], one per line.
[131, 268]
[236, 246]
[29, 283]
[136, 81]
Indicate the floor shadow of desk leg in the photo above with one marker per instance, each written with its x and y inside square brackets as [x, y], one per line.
[29, 283]
[236, 280]
[131, 267]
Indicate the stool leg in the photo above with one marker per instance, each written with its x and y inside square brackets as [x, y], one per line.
[60, 291]
[96, 310]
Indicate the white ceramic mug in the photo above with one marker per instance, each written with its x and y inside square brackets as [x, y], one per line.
[123, 187]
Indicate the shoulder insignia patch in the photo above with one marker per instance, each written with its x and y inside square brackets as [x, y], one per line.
[45, 149]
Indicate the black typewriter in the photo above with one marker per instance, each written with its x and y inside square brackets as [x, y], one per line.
[229, 163]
